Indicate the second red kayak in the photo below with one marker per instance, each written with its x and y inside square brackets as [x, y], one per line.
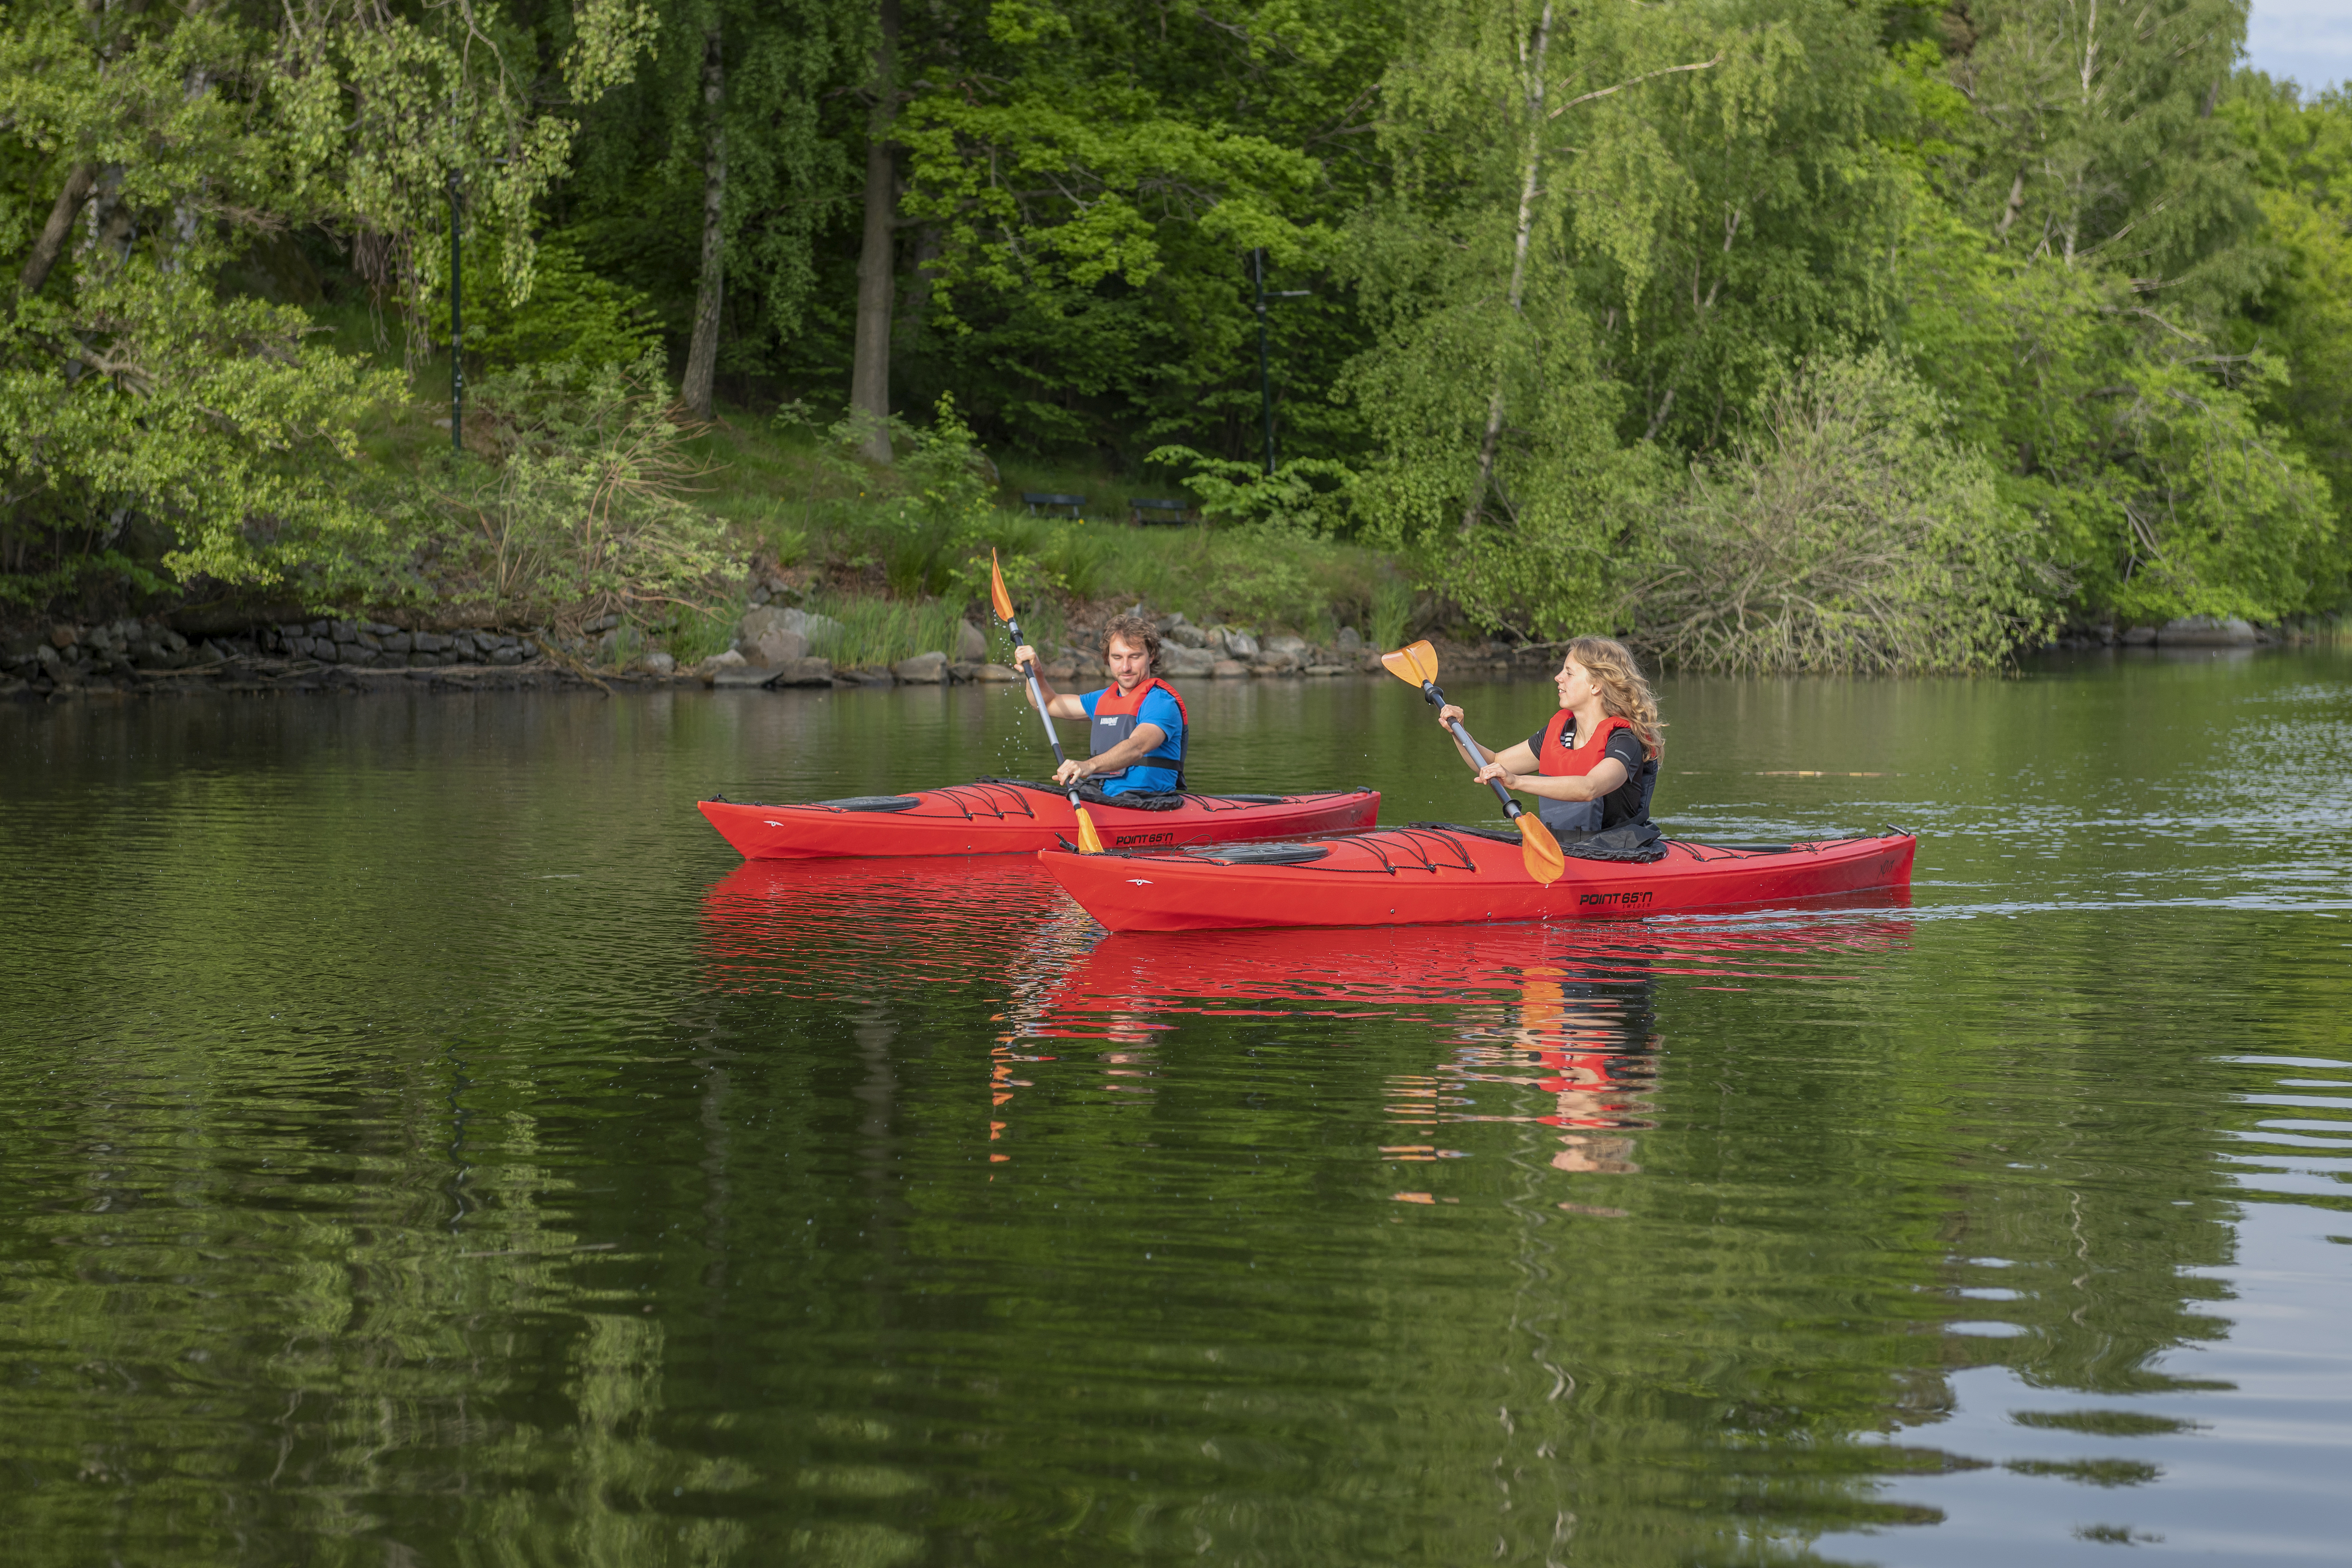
[1005, 817]
[1446, 875]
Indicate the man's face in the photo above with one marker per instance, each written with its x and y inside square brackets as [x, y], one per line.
[1129, 665]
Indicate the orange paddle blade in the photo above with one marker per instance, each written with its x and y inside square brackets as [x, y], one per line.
[1415, 665]
[997, 596]
[1090, 842]
[1540, 851]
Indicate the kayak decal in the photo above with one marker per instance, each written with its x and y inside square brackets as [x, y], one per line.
[1642, 897]
[1126, 838]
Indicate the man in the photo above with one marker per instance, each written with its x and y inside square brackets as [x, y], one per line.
[1136, 724]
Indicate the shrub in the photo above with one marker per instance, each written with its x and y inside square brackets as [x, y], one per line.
[581, 513]
[1848, 534]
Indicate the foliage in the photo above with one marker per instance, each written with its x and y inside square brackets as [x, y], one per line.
[569, 314]
[581, 512]
[877, 633]
[1849, 535]
[1244, 492]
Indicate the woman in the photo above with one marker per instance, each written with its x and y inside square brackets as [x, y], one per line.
[1592, 766]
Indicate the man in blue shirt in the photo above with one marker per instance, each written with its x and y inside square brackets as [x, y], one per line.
[1136, 724]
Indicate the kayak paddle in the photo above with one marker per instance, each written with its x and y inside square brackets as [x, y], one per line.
[1089, 841]
[1538, 850]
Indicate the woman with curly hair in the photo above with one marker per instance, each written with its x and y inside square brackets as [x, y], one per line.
[1593, 764]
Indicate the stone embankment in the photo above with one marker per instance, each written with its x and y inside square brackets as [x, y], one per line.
[772, 650]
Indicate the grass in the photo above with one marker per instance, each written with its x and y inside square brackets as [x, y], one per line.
[784, 504]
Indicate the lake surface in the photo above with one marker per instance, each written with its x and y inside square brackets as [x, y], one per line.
[423, 1141]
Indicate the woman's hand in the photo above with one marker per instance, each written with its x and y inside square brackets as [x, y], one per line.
[1449, 716]
[1074, 769]
[1495, 772]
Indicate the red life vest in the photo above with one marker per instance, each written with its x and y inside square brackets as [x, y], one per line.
[1115, 718]
[1555, 757]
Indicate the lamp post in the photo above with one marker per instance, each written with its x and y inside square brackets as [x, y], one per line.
[1265, 379]
[457, 331]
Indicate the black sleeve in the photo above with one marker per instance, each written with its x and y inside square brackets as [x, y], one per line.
[1626, 747]
[1534, 745]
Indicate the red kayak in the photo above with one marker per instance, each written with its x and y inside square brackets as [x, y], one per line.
[1007, 817]
[1443, 875]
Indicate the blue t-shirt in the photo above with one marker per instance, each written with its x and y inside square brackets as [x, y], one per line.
[1158, 708]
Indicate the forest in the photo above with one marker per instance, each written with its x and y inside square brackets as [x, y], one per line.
[1772, 334]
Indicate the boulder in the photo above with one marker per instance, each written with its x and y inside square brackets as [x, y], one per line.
[995, 674]
[803, 671]
[971, 644]
[1241, 645]
[923, 669]
[1177, 660]
[1326, 669]
[1059, 672]
[1276, 661]
[657, 662]
[1348, 644]
[1165, 625]
[1185, 636]
[1229, 670]
[775, 646]
[740, 674]
[1285, 642]
[765, 619]
[2207, 631]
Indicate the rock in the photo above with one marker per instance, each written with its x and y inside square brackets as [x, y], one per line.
[1326, 669]
[430, 642]
[1348, 644]
[1179, 660]
[2138, 636]
[657, 662]
[923, 669]
[776, 648]
[62, 636]
[727, 660]
[997, 674]
[1276, 661]
[1241, 645]
[859, 675]
[1167, 624]
[1285, 642]
[399, 642]
[962, 672]
[1186, 637]
[740, 674]
[803, 671]
[2205, 631]
[1229, 670]
[971, 644]
[507, 653]
[1059, 672]
[761, 619]
[1369, 661]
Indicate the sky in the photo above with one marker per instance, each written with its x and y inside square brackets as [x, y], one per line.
[2307, 41]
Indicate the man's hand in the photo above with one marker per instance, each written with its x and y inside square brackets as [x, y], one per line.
[1448, 716]
[1074, 769]
[1023, 654]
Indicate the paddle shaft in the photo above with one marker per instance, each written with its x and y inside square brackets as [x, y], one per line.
[1511, 808]
[1038, 700]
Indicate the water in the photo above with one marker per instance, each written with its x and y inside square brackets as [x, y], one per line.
[422, 1142]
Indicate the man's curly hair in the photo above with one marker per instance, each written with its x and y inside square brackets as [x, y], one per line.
[1136, 632]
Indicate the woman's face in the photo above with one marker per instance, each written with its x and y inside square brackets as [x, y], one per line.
[1575, 682]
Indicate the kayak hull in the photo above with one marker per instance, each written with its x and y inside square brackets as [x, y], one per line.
[1440, 876]
[1003, 818]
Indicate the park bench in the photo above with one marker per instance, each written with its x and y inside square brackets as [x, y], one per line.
[1036, 499]
[1162, 508]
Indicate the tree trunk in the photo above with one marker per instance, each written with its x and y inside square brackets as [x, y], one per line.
[702, 352]
[52, 243]
[1527, 188]
[869, 372]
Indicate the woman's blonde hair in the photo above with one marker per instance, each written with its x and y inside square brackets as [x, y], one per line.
[1623, 690]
